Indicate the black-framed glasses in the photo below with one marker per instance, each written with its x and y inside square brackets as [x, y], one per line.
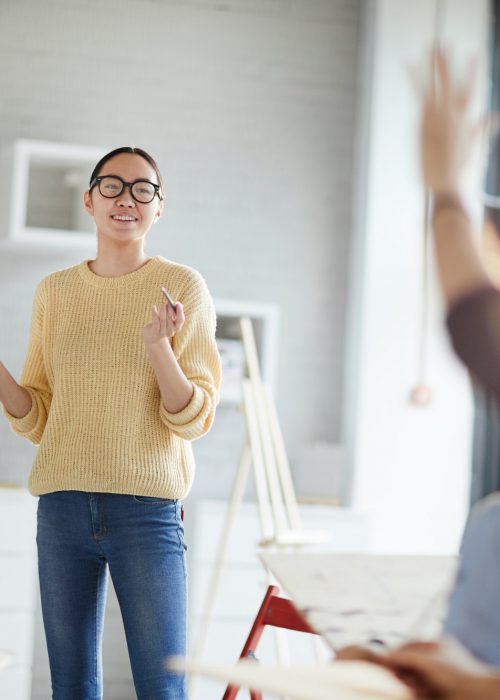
[142, 191]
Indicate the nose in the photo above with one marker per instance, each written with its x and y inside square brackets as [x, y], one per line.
[125, 199]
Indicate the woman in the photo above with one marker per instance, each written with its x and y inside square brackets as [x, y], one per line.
[115, 385]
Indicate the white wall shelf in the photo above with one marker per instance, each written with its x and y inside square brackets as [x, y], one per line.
[72, 164]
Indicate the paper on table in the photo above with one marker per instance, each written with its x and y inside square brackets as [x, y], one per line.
[343, 680]
[349, 599]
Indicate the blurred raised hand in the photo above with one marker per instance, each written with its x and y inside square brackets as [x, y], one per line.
[452, 140]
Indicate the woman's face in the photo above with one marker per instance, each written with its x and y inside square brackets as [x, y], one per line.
[109, 212]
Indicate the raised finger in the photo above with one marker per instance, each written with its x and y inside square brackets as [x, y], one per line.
[179, 315]
[170, 313]
[465, 89]
[422, 77]
[441, 71]
[156, 318]
[166, 318]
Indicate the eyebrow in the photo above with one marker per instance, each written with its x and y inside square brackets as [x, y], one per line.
[137, 179]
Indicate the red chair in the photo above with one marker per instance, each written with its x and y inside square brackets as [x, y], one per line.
[274, 612]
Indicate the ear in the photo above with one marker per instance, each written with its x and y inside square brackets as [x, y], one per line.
[87, 203]
[159, 211]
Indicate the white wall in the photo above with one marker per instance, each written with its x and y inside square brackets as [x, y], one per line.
[411, 465]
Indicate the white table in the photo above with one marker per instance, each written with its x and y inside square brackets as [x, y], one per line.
[351, 599]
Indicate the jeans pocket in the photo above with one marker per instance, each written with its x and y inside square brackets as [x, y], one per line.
[155, 500]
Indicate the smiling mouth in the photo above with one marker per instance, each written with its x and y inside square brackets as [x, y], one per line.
[123, 218]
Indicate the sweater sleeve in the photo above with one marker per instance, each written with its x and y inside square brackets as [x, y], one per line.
[474, 327]
[196, 352]
[34, 378]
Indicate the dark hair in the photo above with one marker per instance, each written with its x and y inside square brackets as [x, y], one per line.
[136, 151]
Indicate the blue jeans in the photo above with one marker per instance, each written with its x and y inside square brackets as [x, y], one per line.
[141, 540]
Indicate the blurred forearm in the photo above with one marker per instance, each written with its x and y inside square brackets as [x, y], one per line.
[14, 397]
[460, 266]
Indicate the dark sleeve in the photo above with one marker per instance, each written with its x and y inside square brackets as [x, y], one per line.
[473, 615]
[474, 328]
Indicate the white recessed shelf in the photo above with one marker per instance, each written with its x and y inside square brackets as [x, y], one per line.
[42, 198]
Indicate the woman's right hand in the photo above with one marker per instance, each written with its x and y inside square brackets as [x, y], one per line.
[431, 675]
[16, 400]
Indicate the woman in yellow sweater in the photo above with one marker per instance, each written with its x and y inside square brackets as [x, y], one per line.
[115, 385]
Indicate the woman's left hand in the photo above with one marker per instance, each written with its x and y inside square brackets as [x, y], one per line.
[165, 323]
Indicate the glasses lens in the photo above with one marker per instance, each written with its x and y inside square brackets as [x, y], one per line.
[143, 191]
[110, 186]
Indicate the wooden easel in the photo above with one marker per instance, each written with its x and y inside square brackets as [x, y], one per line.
[264, 449]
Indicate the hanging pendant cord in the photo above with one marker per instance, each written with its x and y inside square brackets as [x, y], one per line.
[424, 318]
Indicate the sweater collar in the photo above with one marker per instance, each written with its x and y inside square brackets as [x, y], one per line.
[116, 282]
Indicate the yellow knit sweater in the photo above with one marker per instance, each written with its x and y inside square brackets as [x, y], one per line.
[97, 413]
